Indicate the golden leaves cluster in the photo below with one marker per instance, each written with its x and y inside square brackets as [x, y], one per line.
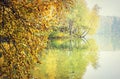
[24, 31]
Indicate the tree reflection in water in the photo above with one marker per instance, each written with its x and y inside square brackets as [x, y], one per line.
[66, 59]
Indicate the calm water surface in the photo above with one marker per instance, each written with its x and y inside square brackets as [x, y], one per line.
[91, 58]
[109, 59]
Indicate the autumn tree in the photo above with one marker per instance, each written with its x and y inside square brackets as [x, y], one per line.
[94, 19]
[24, 29]
[81, 20]
[85, 21]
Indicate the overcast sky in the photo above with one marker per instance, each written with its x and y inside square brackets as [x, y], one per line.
[108, 7]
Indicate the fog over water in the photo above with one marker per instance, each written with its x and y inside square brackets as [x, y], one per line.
[107, 7]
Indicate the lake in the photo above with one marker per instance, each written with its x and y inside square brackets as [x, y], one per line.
[96, 57]
[92, 58]
[109, 59]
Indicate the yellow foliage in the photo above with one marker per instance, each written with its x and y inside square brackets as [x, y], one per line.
[24, 30]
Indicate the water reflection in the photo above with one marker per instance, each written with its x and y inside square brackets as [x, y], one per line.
[67, 59]
[109, 57]
[108, 42]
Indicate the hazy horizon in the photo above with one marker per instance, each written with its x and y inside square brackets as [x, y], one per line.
[107, 7]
